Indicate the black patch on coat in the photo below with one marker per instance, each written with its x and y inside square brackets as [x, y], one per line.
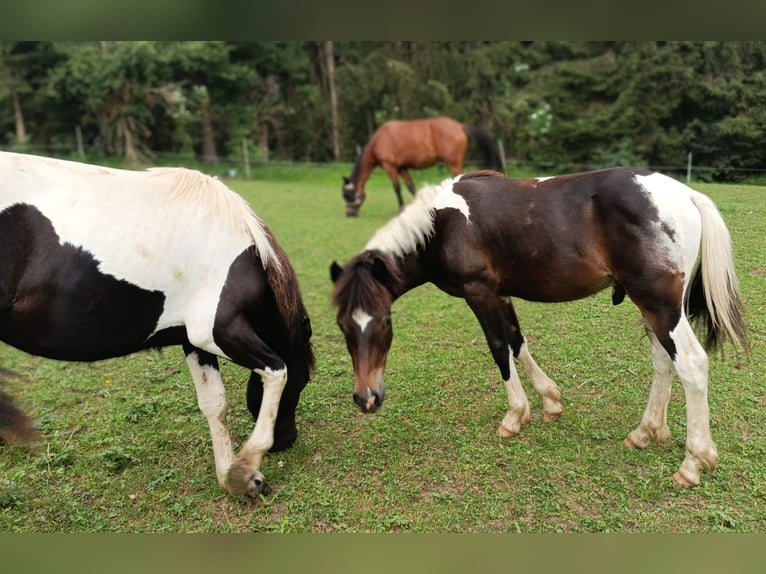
[54, 301]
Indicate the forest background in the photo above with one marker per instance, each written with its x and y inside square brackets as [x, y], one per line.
[554, 106]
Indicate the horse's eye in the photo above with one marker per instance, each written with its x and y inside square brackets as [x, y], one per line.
[387, 322]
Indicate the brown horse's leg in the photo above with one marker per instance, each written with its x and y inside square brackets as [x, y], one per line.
[393, 175]
[455, 167]
[408, 180]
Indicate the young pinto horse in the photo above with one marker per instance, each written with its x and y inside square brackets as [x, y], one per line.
[398, 146]
[100, 263]
[486, 238]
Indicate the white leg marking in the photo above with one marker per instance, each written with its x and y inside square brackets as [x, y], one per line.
[545, 387]
[211, 398]
[262, 436]
[691, 364]
[518, 406]
[654, 424]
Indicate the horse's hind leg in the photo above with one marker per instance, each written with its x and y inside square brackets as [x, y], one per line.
[654, 424]
[691, 364]
[688, 358]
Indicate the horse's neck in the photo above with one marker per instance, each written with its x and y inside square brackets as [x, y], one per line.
[413, 273]
[363, 167]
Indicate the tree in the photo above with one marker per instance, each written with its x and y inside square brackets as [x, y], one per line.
[116, 88]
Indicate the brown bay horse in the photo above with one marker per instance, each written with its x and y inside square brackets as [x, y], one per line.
[487, 238]
[398, 146]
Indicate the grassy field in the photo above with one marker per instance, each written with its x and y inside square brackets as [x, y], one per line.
[125, 449]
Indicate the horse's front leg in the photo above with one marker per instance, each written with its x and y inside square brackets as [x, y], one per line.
[241, 344]
[211, 398]
[244, 476]
[548, 390]
[408, 181]
[488, 309]
[393, 174]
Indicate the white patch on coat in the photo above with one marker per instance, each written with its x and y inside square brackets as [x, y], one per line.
[677, 212]
[413, 226]
[361, 318]
[165, 229]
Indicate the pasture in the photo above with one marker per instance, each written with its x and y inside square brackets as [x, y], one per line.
[124, 448]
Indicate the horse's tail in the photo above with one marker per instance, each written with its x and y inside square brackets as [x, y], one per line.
[492, 159]
[15, 426]
[714, 302]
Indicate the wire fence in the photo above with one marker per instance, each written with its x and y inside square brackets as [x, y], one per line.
[241, 166]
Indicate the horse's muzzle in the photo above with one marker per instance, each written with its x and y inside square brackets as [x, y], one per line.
[353, 203]
[371, 401]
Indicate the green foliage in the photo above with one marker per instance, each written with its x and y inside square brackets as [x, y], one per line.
[124, 448]
[560, 104]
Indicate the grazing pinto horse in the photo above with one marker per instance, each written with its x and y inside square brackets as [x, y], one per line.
[398, 146]
[486, 238]
[100, 263]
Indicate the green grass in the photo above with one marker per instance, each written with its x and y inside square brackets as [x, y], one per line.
[123, 447]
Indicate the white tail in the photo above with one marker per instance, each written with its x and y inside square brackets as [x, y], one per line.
[722, 297]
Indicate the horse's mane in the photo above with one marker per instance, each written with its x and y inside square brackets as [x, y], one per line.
[413, 226]
[215, 197]
[359, 286]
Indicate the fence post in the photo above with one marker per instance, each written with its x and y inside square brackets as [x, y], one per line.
[246, 158]
[80, 148]
[501, 151]
[689, 168]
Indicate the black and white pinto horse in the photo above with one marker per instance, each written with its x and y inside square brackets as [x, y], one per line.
[99, 262]
[486, 238]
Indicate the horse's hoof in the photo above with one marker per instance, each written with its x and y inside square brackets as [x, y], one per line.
[503, 432]
[551, 417]
[242, 481]
[681, 480]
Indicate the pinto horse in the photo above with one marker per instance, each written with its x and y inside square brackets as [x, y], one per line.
[486, 238]
[100, 262]
[398, 146]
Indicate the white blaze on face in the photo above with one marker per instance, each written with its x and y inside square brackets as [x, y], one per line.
[361, 318]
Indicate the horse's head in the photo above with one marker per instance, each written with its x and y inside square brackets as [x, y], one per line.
[353, 198]
[364, 293]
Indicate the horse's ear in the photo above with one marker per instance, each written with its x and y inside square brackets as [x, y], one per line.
[380, 271]
[346, 180]
[335, 271]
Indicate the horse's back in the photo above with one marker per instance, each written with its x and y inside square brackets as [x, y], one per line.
[565, 237]
[418, 143]
[100, 250]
